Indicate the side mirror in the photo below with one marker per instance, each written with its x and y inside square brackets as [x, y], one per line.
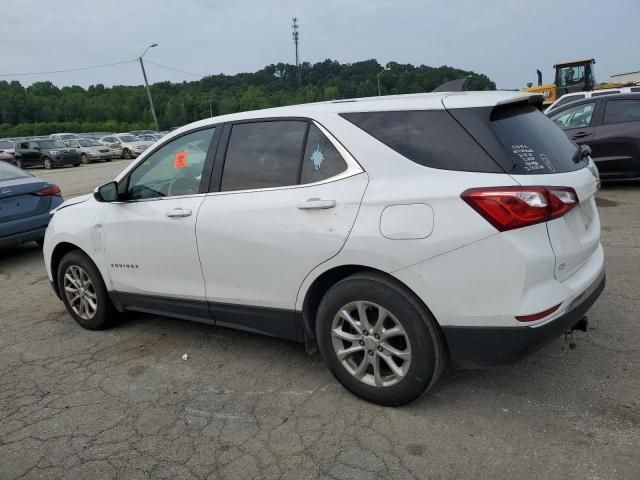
[585, 151]
[107, 192]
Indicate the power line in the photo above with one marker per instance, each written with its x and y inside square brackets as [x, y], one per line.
[174, 69]
[77, 69]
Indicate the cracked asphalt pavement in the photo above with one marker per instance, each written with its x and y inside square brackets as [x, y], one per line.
[122, 404]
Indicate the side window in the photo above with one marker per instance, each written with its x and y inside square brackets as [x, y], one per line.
[24, 146]
[263, 155]
[33, 145]
[621, 111]
[173, 170]
[321, 159]
[574, 117]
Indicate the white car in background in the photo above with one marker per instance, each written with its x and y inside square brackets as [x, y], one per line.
[574, 97]
[395, 233]
[90, 150]
[61, 137]
[125, 145]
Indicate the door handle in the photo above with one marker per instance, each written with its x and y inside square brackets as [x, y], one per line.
[179, 212]
[317, 204]
[581, 134]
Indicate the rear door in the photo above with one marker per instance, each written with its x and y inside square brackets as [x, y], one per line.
[535, 152]
[283, 202]
[616, 140]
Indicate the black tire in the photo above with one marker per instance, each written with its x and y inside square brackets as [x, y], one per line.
[108, 159]
[47, 163]
[126, 153]
[40, 242]
[84, 159]
[76, 164]
[428, 351]
[105, 312]
[19, 164]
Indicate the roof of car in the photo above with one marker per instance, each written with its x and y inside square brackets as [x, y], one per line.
[415, 101]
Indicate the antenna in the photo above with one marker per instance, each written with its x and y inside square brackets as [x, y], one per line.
[296, 40]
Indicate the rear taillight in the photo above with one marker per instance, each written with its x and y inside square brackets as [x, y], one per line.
[51, 191]
[507, 208]
[538, 316]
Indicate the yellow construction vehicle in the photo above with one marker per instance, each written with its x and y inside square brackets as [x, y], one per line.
[576, 76]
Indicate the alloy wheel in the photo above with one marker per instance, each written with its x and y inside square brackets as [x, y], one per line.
[371, 343]
[80, 292]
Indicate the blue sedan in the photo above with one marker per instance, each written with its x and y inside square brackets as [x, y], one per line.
[25, 203]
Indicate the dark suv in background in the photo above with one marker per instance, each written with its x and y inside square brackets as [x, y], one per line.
[610, 125]
[45, 153]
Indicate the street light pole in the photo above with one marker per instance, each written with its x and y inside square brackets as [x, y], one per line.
[146, 83]
[380, 73]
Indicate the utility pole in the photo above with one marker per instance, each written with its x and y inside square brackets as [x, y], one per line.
[146, 83]
[296, 40]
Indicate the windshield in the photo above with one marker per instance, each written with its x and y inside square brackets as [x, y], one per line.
[9, 172]
[521, 139]
[128, 138]
[571, 75]
[89, 143]
[67, 136]
[51, 144]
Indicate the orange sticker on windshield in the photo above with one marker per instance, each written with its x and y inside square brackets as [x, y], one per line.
[181, 159]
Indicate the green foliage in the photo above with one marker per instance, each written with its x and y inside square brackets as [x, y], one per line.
[43, 108]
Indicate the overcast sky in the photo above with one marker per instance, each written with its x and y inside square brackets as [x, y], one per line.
[504, 39]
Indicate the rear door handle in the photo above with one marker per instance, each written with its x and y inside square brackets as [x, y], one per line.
[179, 212]
[581, 134]
[317, 204]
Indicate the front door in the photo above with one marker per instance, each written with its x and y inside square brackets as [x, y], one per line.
[285, 205]
[577, 122]
[149, 237]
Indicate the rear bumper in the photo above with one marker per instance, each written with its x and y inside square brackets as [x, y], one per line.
[481, 347]
[23, 237]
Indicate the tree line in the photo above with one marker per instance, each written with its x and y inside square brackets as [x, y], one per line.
[43, 108]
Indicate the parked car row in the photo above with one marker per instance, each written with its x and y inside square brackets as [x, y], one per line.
[62, 149]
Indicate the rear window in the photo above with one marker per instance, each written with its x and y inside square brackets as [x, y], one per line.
[9, 172]
[521, 139]
[6, 145]
[431, 138]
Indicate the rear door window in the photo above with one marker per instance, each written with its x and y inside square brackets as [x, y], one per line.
[263, 155]
[431, 138]
[621, 111]
[321, 159]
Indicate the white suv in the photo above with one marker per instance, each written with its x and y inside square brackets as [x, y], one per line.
[394, 233]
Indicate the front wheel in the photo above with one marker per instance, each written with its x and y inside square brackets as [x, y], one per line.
[84, 293]
[126, 153]
[378, 340]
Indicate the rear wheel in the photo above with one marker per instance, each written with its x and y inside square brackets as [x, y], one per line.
[84, 293]
[378, 340]
[19, 164]
[84, 158]
[47, 163]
